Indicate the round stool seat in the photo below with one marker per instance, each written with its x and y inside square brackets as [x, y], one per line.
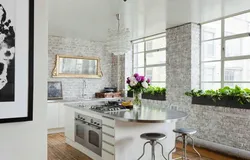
[185, 131]
[153, 136]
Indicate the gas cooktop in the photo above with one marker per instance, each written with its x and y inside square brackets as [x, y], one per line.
[108, 108]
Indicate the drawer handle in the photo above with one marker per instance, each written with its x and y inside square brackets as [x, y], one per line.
[108, 126]
[108, 134]
[107, 117]
[108, 152]
[107, 143]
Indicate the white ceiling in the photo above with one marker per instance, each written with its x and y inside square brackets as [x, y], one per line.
[90, 19]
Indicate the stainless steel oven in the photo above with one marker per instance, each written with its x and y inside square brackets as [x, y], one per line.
[88, 132]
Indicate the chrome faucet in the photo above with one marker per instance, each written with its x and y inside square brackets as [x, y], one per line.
[84, 84]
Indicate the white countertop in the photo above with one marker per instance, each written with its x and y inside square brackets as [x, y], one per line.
[83, 100]
[147, 114]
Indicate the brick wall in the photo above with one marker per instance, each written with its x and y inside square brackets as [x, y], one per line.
[73, 87]
[219, 125]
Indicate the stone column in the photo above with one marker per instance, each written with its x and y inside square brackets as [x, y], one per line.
[183, 52]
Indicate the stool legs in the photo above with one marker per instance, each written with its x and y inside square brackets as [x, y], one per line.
[174, 146]
[184, 147]
[162, 152]
[152, 150]
[153, 144]
[194, 147]
[143, 150]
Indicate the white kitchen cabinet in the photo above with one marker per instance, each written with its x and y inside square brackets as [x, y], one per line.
[107, 156]
[61, 115]
[69, 123]
[55, 116]
[52, 115]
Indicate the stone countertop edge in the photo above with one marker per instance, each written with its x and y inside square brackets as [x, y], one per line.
[174, 116]
[82, 100]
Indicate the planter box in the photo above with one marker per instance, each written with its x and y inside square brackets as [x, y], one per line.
[230, 102]
[159, 97]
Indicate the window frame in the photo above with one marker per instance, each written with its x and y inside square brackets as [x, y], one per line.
[145, 52]
[223, 38]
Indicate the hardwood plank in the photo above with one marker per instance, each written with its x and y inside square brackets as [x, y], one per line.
[59, 150]
[206, 154]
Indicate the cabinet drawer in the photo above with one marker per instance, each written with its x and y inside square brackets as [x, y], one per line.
[108, 130]
[108, 139]
[108, 121]
[107, 156]
[108, 148]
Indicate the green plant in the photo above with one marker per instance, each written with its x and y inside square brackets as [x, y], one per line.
[238, 93]
[155, 90]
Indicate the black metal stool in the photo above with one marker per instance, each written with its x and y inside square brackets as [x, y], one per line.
[153, 139]
[184, 134]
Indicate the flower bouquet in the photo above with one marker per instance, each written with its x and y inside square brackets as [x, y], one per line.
[138, 84]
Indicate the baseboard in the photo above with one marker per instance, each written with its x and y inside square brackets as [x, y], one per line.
[55, 130]
[217, 151]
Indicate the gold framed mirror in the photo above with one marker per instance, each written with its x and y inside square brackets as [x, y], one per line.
[77, 66]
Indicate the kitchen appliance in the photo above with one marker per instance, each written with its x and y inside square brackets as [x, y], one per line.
[107, 108]
[88, 132]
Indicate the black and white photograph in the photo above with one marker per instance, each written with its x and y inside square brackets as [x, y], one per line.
[16, 60]
[7, 52]
[55, 90]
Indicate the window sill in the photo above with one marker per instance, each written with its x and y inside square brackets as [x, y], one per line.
[228, 102]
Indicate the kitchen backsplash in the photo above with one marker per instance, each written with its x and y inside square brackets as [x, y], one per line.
[73, 87]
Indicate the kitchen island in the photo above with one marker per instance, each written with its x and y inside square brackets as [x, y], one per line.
[116, 135]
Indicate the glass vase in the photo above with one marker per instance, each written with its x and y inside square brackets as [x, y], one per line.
[137, 101]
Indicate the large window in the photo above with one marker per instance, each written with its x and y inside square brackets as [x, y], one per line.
[149, 58]
[225, 52]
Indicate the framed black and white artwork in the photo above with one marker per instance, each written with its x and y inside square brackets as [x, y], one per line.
[16, 60]
[55, 90]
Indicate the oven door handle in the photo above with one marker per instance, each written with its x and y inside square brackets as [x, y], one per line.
[94, 126]
[79, 122]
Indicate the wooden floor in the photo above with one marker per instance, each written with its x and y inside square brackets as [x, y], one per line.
[59, 150]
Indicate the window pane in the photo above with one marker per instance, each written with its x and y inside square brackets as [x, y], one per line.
[156, 73]
[139, 60]
[139, 47]
[211, 71]
[211, 30]
[156, 44]
[159, 85]
[208, 86]
[140, 71]
[238, 47]
[211, 50]
[156, 58]
[238, 24]
[237, 70]
[242, 85]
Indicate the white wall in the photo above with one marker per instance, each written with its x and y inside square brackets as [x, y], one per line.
[28, 140]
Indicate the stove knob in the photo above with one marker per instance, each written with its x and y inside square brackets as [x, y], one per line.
[95, 123]
[98, 124]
